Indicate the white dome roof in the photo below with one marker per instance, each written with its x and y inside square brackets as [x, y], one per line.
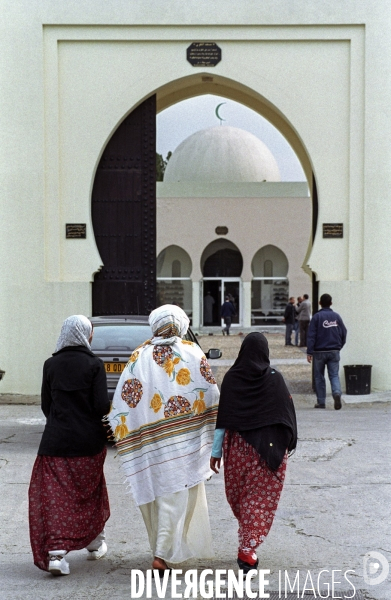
[222, 154]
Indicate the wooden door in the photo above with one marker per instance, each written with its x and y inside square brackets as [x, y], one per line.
[124, 217]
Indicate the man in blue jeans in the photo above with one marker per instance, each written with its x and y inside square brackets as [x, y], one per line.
[326, 337]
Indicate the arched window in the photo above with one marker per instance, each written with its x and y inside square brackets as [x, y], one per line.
[269, 261]
[270, 286]
[268, 268]
[174, 268]
[170, 260]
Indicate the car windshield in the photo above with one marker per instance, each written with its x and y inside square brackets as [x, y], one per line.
[120, 337]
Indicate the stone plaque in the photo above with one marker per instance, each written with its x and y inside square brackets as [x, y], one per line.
[76, 231]
[203, 54]
[333, 230]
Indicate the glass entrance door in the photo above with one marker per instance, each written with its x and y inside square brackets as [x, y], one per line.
[215, 290]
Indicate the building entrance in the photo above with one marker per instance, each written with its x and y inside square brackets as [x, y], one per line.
[215, 290]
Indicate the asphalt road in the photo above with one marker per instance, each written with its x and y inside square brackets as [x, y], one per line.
[334, 509]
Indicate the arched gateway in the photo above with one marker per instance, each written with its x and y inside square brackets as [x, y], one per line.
[124, 197]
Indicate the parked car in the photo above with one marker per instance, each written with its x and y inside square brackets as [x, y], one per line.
[115, 338]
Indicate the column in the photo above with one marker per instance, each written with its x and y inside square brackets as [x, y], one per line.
[246, 309]
[196, 287]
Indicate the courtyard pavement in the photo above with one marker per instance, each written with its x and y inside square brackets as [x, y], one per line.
[334, 509]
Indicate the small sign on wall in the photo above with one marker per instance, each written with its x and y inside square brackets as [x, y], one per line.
[76, 231]
[203, 54]
[333, 230]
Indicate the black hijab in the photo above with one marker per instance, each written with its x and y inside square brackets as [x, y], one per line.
[255, 402]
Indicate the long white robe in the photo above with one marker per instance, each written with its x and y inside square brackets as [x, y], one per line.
[178, 525]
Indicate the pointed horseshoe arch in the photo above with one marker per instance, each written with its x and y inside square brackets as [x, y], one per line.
[124, 193]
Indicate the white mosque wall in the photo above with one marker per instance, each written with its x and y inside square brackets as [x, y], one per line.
[285, 222]
[72, 71]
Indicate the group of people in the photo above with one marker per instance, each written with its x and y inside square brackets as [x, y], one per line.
[297, 317]
[170, 428]
[324, 336]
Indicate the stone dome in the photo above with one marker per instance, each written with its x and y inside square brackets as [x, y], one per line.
[222, 154]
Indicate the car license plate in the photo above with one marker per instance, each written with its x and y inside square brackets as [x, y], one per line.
[114, 367]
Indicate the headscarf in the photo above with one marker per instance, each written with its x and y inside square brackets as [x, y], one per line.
[256, 402]
[75, 331]
[168, 322]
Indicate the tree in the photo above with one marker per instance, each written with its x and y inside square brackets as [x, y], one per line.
[161, 165]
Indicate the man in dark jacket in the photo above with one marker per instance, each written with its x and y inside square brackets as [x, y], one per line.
[326, 337]
[304, 317]
[227, 312]
[289, 320]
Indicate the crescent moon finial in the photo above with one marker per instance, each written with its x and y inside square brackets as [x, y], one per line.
[217, 112]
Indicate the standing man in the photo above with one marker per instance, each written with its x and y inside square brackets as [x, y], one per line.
[326, 337]
[289, 320]
[304, 316]
[208, 308]
[296, 326]
[227, 312]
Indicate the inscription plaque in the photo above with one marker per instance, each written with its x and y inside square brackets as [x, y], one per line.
[203, 54]
[333, 230]
[76, 231]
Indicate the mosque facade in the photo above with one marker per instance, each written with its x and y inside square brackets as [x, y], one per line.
[206, 248]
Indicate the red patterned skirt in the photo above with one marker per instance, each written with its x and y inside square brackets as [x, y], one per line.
[253, 490]
[68, 504]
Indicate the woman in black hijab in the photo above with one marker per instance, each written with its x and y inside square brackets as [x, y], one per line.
[256, 426]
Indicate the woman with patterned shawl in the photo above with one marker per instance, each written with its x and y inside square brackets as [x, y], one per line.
[68, 501]
[256, 426]
[163, 419]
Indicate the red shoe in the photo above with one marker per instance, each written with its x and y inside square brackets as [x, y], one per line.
[247, 561]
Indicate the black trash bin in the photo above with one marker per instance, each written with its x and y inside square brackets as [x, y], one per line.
[358, 379]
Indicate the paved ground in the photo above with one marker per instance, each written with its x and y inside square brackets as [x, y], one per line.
[334, 509]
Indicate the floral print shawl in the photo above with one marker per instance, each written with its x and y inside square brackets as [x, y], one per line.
[163, 418]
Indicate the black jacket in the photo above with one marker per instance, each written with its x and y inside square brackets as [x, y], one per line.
[290, 314]
[227, 310]
[74, 399]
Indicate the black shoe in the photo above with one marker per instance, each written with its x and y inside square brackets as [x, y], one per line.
[246, 567]
[337, 401]
[317, 405]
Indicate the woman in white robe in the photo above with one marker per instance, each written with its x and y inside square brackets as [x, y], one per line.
[163, 419]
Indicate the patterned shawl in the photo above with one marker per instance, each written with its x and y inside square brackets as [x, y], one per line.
[163, 417]
[75, 331]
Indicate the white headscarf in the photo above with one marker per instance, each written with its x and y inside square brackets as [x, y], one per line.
[168, 322]
[75, 331]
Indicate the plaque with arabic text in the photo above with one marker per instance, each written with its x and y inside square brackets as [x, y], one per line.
[203, 54]
[76, 231]
[333, 230]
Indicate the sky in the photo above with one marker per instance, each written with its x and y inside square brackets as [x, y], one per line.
[179, 121]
